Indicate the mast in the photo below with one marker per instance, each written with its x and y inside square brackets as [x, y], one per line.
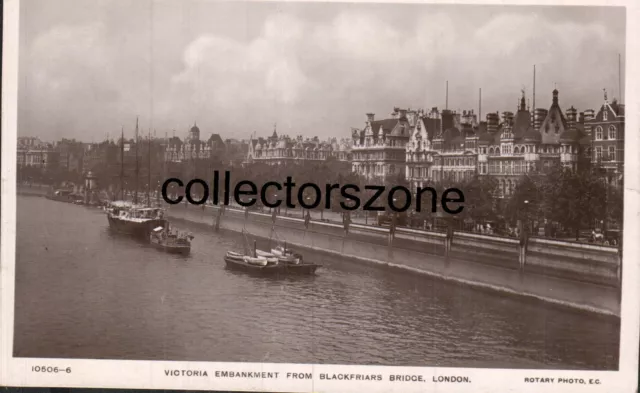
[122, 164]
[446, 105]
[149, 171]
[479, 105]
[534, 87]
[620, 78]
[135, 197]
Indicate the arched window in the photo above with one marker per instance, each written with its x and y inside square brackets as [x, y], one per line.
[613, 132]
[598, 133]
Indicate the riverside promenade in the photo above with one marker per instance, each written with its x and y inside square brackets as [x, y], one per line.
[499, 273]
[553, 274]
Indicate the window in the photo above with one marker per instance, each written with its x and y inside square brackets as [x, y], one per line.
[598, 133]
[598, 153]
[605, 114]
[612, 153]
[612, 132]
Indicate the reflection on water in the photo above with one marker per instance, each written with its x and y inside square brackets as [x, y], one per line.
[82, 292]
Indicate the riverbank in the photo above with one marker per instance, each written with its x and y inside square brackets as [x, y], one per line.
[372, 248]
[480, 262]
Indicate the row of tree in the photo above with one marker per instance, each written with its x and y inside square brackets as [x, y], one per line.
[566, 199]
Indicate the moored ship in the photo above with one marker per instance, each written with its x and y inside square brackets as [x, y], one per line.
[173, 242]
[136, 220]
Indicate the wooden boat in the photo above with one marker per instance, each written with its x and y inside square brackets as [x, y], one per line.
[265, 263]
[172, 242]
[283, 255]
[262, 265]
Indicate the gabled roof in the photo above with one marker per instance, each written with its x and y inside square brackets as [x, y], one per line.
[554, 124]
[215, 138]
[432, 125]
[521, 123]
[386, 125]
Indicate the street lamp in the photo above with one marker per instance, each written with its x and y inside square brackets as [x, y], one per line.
[526, 217]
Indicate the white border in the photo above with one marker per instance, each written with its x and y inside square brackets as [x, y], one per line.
[151, 374]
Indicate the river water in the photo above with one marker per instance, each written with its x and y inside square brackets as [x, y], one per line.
[82, 292]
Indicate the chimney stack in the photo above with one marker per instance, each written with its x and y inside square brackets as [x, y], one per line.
[589, 114]
[539, 115]
[370, 117]
[492, 121]
[571, 115]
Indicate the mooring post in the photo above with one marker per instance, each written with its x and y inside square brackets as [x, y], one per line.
[522, 247]
[448, 240]
[218, 219]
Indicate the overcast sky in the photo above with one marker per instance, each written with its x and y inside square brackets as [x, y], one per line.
[87, 68]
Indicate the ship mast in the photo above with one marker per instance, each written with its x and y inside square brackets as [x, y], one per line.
[135, 196]
[122, 164]
[149, 171]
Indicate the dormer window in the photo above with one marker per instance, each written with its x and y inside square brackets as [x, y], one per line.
[605, 114]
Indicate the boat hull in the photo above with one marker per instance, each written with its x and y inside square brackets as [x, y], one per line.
[270, 269]
[181, 250]
[140, 230]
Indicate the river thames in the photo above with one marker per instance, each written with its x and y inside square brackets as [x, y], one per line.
[82, 292]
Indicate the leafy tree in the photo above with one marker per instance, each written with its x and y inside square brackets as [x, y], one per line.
[525, 204]
[480, 198]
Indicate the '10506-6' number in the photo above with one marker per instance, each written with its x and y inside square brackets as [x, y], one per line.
[55, 370]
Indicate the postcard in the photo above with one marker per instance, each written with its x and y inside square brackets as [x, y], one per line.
[303, 196]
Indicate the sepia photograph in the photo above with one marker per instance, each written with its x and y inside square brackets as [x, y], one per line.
[401, 194]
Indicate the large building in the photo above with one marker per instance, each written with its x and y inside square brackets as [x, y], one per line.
[192, 148]
[606, 127]
[453, 148]
[442, 146]
[32, 152]
[278, 150]
[378, 150]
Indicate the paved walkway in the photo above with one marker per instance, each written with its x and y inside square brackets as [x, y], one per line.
[576, 295]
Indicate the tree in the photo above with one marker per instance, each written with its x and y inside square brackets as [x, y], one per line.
[574, 199]
[480, 197]
[526, 203]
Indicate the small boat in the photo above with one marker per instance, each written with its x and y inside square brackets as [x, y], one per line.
[265, 263]
[172, 242]
[283, 255]
[61, 196]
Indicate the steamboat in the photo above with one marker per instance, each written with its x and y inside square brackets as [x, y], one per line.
[173, 242]
[131, 218]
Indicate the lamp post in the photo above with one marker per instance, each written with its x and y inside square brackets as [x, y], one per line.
[525, 224]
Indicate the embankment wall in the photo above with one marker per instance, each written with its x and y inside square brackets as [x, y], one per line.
[577, 275]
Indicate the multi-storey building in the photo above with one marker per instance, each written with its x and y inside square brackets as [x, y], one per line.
[71, 155]
[442, 147]
[278, 150]
[606, 127]
[192, 148]
[452, 148]
[32, 152]
[379, 150]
